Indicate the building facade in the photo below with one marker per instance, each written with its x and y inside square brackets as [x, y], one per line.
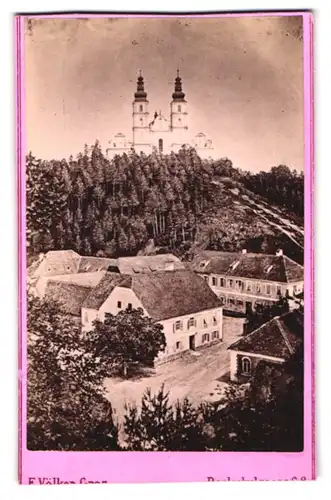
[273, 343]
[158, 132]
[244, 280]
[188, 310]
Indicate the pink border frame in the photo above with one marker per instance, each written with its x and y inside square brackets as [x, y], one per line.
[148, 467]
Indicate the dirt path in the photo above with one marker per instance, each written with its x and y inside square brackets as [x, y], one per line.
[195, 376]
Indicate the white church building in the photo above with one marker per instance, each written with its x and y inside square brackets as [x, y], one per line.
[158, 132]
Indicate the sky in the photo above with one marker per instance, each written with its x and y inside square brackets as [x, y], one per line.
[242, 76]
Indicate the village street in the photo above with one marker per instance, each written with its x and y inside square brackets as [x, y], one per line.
[196, 376]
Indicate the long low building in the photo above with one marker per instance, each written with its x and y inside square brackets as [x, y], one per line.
[244, 280]
[70, 267]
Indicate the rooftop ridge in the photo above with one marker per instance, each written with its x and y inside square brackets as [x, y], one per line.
[250, 334]
[50, 279]
[283, 333]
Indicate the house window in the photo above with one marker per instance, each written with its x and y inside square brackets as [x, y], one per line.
[279, 290]
[294, 289]
[114, 144]
[214, 320]
[85, 317]
[119, 305]
[190, 323]
[129, 306]
[222, 282]
[249, 286]
[214, 281]
[205, 278]
[205, 324]
[230, 283]
[268, 289]
[141, 121]
[178, 325]
[141, 108]
[238, 284]
[178, 346]
[231, 301]
[205, 337]
[240, 303]
[246, 366]
[222, 298]
[258, 288]
[179, 109]
[215, 335]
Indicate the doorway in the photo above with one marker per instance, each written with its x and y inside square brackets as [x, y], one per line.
[192, 342]
[249, 308]
[160, 145]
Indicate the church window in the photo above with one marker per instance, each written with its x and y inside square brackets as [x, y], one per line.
[141, 108]
[160, 145]
[179, 109]
[141, 121]
[114, 144]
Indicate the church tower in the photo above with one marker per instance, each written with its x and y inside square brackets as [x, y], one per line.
[178, 112]
[140, 116]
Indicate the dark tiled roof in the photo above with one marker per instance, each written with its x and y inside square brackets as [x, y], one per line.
[167, 295]
[70, 296]
[248, 265]
[150, 263]
[278, 338]
[162, 294]
[102, 291]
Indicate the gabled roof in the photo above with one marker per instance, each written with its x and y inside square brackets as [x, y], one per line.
[55, 262]
[277, 338]
[70, 296]
[102, 291]
[150, 263]
[279, 268]
[62, 262]
[163, 295]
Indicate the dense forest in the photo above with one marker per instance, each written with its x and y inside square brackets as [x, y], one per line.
[109, 207]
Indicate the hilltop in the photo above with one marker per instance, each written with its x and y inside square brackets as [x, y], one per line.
[178, 203]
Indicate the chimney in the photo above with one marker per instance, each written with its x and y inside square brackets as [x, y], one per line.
[279, 252]
[244, 250]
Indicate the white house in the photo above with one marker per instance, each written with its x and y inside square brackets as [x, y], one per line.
[272, 342]
[181, 301]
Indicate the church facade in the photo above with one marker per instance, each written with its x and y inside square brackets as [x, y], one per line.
[158, 132]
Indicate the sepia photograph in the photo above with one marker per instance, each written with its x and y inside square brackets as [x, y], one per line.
[164, 174]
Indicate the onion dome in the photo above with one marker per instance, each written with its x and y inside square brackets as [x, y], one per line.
[140, 94]
[178, 95]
